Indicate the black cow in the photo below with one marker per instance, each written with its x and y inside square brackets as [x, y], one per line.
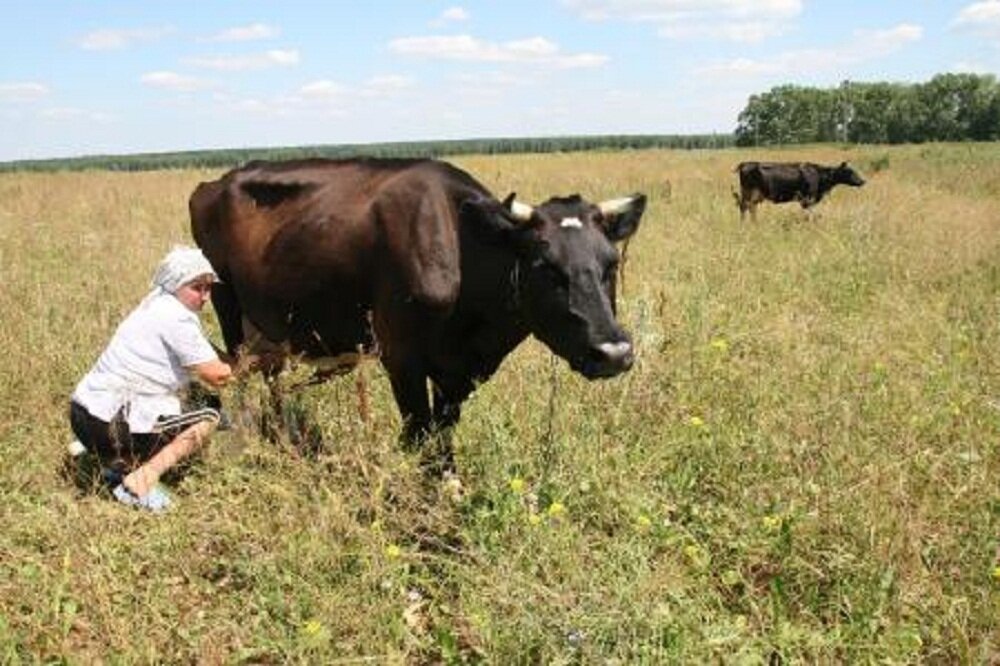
[781, 182]
[323, 257]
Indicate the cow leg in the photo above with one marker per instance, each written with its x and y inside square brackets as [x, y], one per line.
[445, 415]
[409, 387]
[230, 315]
[447, 409]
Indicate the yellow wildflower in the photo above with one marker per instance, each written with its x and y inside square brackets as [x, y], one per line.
[771, 523]
[996, 572]
[695, 555]
[392, 551]
[534, 519]
[312, 627]
[697, 421]
[516, 485]
[556, 509]
[720, 344]
[643, 522]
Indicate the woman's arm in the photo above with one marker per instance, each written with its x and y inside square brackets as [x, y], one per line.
[215, 373]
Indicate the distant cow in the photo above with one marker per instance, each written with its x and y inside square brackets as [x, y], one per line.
[324, 257]
[781, 182]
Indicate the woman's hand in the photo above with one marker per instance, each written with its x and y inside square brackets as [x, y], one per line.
[215, 373]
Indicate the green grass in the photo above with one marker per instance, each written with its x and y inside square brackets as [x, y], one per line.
[801, 467]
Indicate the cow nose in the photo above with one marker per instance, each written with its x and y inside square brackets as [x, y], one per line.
[616, 352]
[610, 358]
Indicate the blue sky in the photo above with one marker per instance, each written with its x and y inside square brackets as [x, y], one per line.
[81, 78]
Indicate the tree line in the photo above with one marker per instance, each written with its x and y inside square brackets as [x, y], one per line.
[415, 149]
[949, 107]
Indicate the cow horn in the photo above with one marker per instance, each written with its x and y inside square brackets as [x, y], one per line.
[615, 206]
[521, 211]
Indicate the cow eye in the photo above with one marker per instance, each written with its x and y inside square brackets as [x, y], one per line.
[609, 272]
[551, 272]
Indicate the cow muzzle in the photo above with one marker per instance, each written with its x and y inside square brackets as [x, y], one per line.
[607, 360]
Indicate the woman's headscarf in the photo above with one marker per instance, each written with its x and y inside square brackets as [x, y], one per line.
[181, 265]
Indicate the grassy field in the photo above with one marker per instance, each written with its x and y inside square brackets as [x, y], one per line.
[802, 466]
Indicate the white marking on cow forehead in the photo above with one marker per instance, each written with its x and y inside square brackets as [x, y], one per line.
[571, 223]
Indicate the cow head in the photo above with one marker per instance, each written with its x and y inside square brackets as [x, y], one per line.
[845, 175]
[566, 268]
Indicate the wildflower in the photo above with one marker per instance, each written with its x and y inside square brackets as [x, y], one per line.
[695, 555]
[313, 634]
[720, 344]
[771, 523]
[534, 519]
[643, 522]
[731, 577]
[557, 509]
[392, 551]
[312, 627]
[453, 488]
[996, 572]
[516, 485]
[697, 421]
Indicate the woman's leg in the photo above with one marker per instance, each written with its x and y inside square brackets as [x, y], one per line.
[145, 477]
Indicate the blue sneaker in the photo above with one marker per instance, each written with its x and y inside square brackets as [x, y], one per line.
[111, 477]
[156, 500]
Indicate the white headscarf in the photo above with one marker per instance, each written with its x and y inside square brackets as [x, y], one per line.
[181, 265]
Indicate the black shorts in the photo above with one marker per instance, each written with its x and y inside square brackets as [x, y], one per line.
[118, 447]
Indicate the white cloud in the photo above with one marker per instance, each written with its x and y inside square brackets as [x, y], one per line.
[982, 18]
[27, 91]
[246, 33]
[455, 14]
[110, 39]
[74, 113]
[748, 32]
[271, 58]
[734, 20]
[386, 85]
[536, 50]
[492, 86]
[323, 89]
[174, 81]
[869, 44]
[866, 45]
[451, 15]
[317, 99]
[965, 67]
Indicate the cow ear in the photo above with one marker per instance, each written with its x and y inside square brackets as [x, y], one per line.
[621, 216]
[843, 165]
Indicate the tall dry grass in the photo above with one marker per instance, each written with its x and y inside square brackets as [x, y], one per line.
[801, 466]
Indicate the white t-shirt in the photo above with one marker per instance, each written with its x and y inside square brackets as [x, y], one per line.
[143, 368]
